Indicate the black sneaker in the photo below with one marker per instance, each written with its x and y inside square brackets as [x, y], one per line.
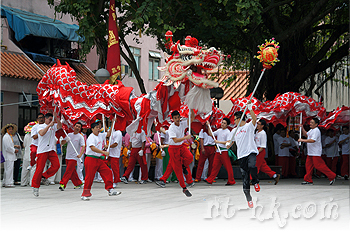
[187, 193]
[346, 177]
[184, 170]
[61, 187]
[305, 183]
[332, 182]
[160, 183]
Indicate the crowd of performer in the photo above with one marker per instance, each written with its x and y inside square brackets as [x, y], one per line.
[110, 156]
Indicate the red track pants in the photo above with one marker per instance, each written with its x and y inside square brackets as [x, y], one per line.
[93, 165]
[332, 163]
[40, 164]
[262, 165]
[33, 150]
[134, 156]
[209, 154]
[222, 159]
[180, 155]
[345, 165]
[284, 162]
[70, 173]
[115, 168]
[292, 166]
[318, 163]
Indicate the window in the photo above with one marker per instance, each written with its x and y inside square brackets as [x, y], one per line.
[137, 56]
[27, 112]
[154, 61]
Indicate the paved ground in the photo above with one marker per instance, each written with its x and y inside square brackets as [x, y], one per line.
[288, 206]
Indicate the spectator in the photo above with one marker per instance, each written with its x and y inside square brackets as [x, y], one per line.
[344, 143]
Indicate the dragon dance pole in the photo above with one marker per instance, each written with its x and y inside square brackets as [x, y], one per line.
[110, 139]
[300, 130]
[246, 107]
[189, 120]
[160, 141]
[213, 137]
[53, 119]
[71, 143]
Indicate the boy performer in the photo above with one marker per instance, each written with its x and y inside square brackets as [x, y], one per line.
[223, 136]
[314, 150]
[207, 153]
[95, 162]
[114, 155]
[180, 156]
[46, 151]
[138, 141]
[34, 146]
[247, 151]
[345, 149]
[72, 158]
[260, 139]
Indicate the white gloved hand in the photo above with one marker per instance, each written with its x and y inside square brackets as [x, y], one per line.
[141, 153]
[67, 139]
[128, 153]
[227, 144]
[250, 106]
[163, 153]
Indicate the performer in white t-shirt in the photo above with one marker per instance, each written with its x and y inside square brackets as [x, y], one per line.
[222, 136]
[180, 156]
[344, 139]
[116, 141]
[46, 151]
[138, 141]
[207, 153]
[314, 148]
[283, 152]
[246, 151]
[72, 157]
[34, 133]
[95, 162]
[332, 153]
[260, 139]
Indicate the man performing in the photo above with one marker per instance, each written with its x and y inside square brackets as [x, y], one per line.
[223, 136]
[247, 152]
[180, 156]
[46, 151]
[34, 146]
[114, 155]
[94, 162]
[260, 141]
[314, 150]
[72, 158]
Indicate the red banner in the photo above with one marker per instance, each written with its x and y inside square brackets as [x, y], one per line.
[113, 53]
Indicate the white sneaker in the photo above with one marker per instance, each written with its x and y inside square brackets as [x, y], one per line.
[52, 183]
[45, 181]
[36, 192]
[133, 180]
[100, 181]
[142, 182]
[332, 181]
[115, 185]
[123, 179]
[149, 181]
[85, 198]
[112, 192]
[29, 167]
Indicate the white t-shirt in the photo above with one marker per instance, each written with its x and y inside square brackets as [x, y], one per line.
[283, 152]
[275, 142]
[294, 145]
[245, 140]
[95, 141]
[331, 151]
[48, 141]
[78, 142]
[207, 139]
[137, 139]
[165, 137]
[323, 140]
[116, 137]
[33, 132]
[222, 136]
[345, 146]
[260, 139]
[177, 132]
[314, 149]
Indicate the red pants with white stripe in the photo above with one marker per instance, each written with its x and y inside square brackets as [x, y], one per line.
[93, 165]
[180, 155]
[134, 156]
[345, 165]
[40, 164]
[115, 168]
[332, 163]
[222, 159]
[33, 150]
[284, 162]
[71, 173]
[318, 163]
[262, 165]
[209, 154]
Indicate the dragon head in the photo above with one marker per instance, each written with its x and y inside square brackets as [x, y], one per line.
[189, 62]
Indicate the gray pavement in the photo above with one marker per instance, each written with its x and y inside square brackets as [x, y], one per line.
[288, 206]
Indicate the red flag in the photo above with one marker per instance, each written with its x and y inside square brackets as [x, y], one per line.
[113, 53]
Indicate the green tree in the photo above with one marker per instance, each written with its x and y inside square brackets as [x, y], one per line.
[313, 35]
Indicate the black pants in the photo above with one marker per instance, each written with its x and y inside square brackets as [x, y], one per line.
[248, 167]
[17, 165]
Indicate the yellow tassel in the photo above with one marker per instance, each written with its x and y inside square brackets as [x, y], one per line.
[159, 155]
[197, 150]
